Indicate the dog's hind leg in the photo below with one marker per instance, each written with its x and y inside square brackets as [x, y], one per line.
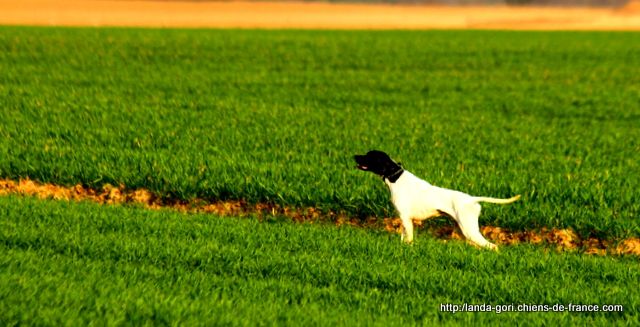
[467, 219]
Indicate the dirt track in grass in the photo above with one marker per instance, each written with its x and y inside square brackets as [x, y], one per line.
[561, 239]
[312, 15]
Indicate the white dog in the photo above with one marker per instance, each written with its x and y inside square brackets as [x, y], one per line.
[414, 198]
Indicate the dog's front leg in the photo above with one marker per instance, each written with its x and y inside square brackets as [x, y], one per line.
[407, 230]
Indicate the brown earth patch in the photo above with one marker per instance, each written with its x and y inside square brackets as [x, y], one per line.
[311, 15]
[561, 239]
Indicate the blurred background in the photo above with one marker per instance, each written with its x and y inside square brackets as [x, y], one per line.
[330, 14]
[584, 3]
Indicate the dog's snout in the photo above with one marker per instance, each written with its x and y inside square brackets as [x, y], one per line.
[361, 162]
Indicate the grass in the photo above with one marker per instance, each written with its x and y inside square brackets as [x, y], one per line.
[67, 263]
[275, 116]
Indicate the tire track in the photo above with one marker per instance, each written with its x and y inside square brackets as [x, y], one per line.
[561, 239]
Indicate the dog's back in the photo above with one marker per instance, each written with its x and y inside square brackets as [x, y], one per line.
[415, 197]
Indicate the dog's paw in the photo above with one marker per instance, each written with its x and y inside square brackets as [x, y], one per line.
[407, 241]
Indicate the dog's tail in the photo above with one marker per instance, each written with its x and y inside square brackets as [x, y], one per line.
[494, 200]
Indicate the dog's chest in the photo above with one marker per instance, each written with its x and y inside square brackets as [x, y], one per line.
[414, 198]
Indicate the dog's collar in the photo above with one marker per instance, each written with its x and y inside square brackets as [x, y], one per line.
[394, 177]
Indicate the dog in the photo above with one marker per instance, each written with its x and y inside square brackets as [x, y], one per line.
[415, 198]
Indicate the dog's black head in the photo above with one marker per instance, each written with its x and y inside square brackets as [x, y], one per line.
[379, 163]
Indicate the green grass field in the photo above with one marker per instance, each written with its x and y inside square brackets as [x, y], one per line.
[74, 263]
[276, 116]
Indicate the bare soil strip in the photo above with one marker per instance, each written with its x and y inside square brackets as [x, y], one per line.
[311, 15]
[561, 239]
